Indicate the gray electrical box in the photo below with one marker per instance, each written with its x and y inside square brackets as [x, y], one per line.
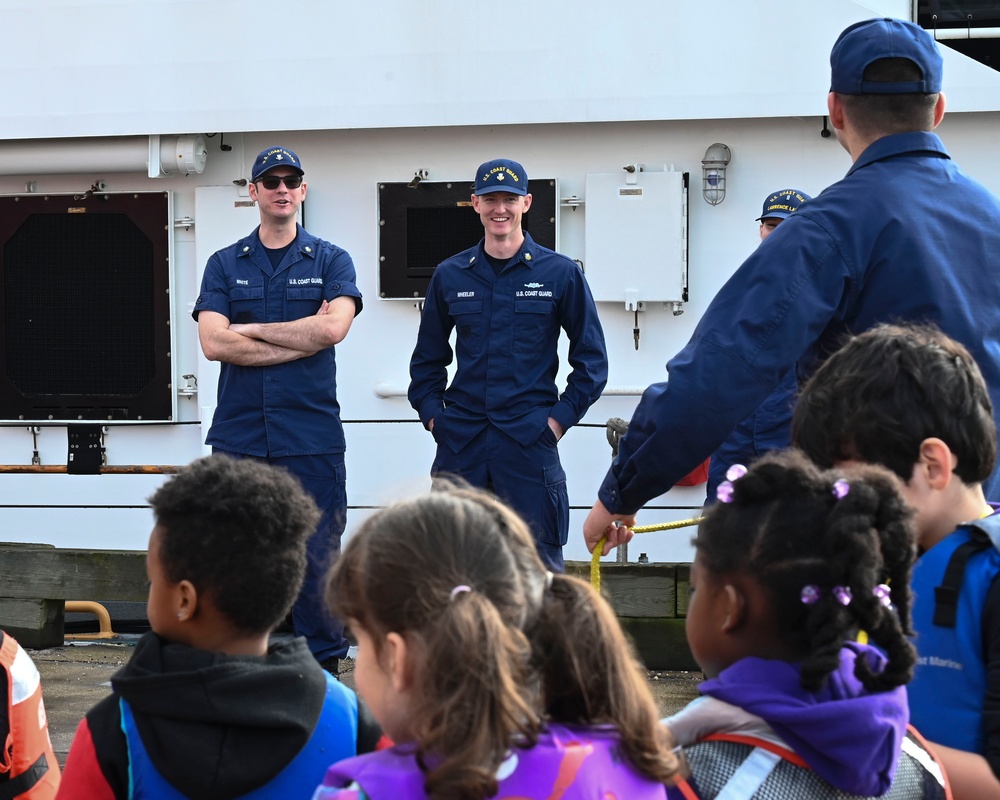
[637, 237]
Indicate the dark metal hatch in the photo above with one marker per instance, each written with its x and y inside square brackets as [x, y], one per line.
[84, 290]
[422, 225]
[971, 17]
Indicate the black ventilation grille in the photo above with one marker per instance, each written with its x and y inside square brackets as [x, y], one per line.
[421, 226]
[85, 303]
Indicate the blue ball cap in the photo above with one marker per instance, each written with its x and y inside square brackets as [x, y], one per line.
[865, 42]
[501, 175]
[271, 157]
[781, 204]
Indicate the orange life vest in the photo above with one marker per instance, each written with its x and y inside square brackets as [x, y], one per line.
[28, 766]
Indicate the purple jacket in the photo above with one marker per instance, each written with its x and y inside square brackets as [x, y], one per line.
[847, 735]
[567, 763]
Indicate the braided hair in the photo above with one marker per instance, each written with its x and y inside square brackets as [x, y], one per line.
[806, 536]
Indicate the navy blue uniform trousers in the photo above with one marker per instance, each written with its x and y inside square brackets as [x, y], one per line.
[530, 479]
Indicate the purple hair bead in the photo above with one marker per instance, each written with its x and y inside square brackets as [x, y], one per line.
[725, 492]
[882, 594]
[809, 594]
[735, 472]
[843, 595]
[840, 490]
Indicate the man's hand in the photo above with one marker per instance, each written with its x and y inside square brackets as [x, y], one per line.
[221, 341]
[242, 328]
[600, 523]
[556, 428]
[326, 328]
[249, 329]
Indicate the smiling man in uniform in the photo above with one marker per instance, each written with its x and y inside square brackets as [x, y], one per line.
[497, 424]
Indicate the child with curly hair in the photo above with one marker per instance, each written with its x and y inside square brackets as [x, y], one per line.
[789, 567]
[912, 399]
[208, 707]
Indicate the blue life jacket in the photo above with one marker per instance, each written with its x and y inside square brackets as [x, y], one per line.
[334, 738]
[951, 582]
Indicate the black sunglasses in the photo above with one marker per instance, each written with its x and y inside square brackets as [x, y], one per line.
[272, 182]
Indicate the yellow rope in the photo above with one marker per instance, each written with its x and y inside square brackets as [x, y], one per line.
[667, 526]
[595, 564]
[595, 558]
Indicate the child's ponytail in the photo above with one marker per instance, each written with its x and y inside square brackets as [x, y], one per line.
[591, 675]
[473, 698]
[871, 547]
[449, 572]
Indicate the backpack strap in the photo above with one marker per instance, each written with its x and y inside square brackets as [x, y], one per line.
[26, 780]
[946, 595]
[936, 783]
[750, 775]
[989, 527]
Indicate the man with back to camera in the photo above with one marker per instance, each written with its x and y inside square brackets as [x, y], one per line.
[767, 428]
[497, 424]
[905, 236]
[272, 308]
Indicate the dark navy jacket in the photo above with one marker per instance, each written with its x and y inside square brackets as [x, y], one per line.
[905, 236]
[508, 332]
[285, 409]
[766, 429]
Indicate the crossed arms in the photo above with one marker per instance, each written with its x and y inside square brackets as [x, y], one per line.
[261, 344]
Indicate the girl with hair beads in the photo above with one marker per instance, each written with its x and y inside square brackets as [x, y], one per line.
[789, 567]
[462, 635]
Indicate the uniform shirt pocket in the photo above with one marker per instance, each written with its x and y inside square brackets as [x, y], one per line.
[302, 301]
[246, 299]
[468, 318]
[535, 323]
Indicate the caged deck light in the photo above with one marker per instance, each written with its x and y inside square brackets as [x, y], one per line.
[713, 173]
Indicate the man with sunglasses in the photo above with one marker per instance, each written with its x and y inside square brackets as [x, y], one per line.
[272, 308]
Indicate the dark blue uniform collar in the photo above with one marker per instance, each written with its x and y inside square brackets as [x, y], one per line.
[898, 144]
[526, 255]
[305, 243]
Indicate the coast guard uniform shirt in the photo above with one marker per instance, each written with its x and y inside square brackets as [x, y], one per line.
[506, 345]
[285, 409]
